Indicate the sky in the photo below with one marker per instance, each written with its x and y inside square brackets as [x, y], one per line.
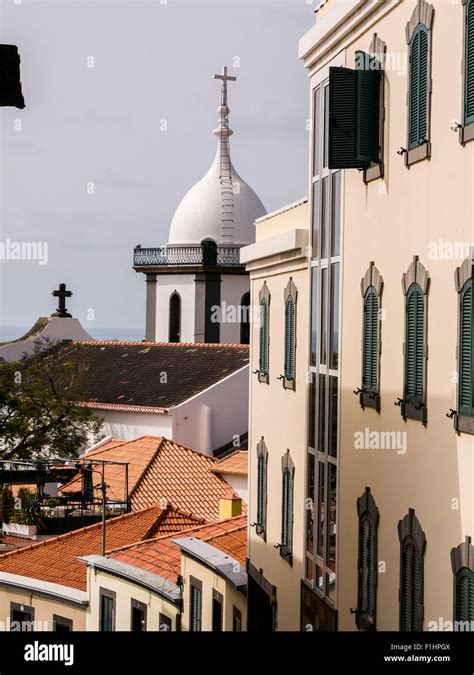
[120, 107]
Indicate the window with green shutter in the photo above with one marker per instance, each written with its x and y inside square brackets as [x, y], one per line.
[367, 564]
[462, 562]
[261, 493]
[370, 342]
[418, 88]
[289, 338]
[264, 337]
[469, 64]
[414, 346]
[412, 548]
[195, 607]
[286, 543]
[466, 348]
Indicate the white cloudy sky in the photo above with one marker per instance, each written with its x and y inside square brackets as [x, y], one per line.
[154, 60]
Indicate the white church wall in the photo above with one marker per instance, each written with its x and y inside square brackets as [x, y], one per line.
[233, 287]
[228, 403]
[165, 286]
[127, 426]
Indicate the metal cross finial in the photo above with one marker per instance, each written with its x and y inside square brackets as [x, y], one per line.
[225, 78]
[62, 294]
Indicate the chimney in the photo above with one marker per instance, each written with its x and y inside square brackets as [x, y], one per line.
[230, 505]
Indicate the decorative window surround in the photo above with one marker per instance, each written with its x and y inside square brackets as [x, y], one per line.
[378, 49]
[374, 279]
[368, 513]
[262, 456]
[290, 291]
[416, 274]
[287, 465]
[462, 563]
[462, 423]
[264, 342]
[423, 15]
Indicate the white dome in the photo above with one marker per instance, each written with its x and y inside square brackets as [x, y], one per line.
[217, 208]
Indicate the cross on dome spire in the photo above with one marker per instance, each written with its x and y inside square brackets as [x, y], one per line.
[225, 78]
[223, 129]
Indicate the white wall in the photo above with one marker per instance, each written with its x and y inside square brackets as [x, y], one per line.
[233, 288]
[240, 484]
[127, 426]
[184, 285]
[228, 401]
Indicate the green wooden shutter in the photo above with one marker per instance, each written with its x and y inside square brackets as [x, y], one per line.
[469, 63]
[263, 365]
[370, 347]
[418, 91]
[289, 338]
[343, 119]
[466, 348]
[367, 572]
[368, 108]
[261, 492]
[464, 610]
[414, 346]
[287, 509]
[411, 592]
[196, 603]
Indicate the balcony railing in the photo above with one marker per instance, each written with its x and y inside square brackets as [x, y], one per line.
[224, 256]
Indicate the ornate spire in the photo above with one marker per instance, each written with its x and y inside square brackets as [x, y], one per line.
[223, 132]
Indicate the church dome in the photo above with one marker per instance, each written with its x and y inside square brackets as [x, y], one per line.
[221, 206]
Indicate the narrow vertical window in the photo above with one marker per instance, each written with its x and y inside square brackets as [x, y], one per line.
[290, 295]
[466, 346]
[195, 606]
[367, 565]
[287, 507]
[264, 335]
[418, 34]
[412, 548]
[236, 620]
[469, 63]
[107, 611]
[175, 318]
[245, 319]
[415, 283]
[462, 561]
[370, 343]
[262, 459]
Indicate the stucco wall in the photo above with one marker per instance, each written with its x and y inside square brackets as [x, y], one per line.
[128, 426]
[233, 287]
[44, 608]
[165, 286]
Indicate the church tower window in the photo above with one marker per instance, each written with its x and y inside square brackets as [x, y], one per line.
[175, 318]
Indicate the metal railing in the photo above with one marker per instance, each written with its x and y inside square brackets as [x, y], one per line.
[227, 256]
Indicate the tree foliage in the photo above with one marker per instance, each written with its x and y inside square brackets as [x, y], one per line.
[42, 414]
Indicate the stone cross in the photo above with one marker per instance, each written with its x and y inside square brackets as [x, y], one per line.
[225, 78]
[62, 294]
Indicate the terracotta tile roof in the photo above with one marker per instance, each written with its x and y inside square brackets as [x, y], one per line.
[160, 469]
[235, 464]
[163, 557]
[55, 559]
[184, 477]
[131, 373]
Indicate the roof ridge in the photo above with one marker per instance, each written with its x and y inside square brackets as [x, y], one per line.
[121, 443]
[147, 466]
[186, 447]
[164, 537]
[73, 533]
[133, 343]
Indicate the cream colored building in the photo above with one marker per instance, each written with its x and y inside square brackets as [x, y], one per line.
[406, 228]
[278, 267]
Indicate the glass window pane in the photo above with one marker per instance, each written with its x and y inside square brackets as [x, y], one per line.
[331, 531]
[324, 285]
[317, 132]
[310, 504]
[334, 354]
[319, 575]
[312, 412]
[314, 316]
[326, 125]
[316, 218]
[325, 219]
[321, 508]
[333, 401]
[336, 213]
[322, 414]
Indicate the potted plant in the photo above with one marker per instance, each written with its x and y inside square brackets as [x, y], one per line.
[27, 519]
